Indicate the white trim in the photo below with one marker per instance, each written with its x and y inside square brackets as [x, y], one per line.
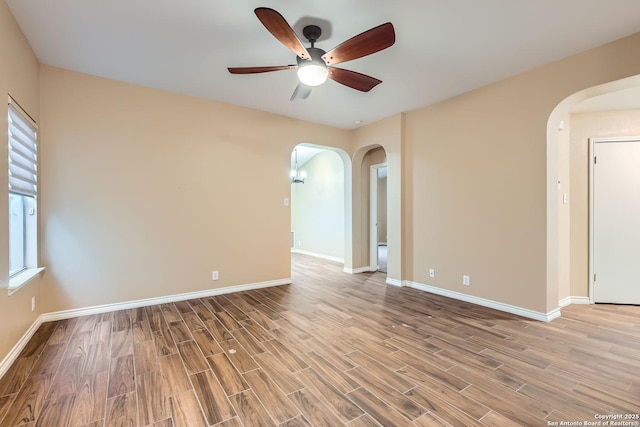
[20, 345]
[366, 269]
[574, 300]
[395, 282]
[564, 302]
[580, 300]
[19, 280]
[524, 312]
[317, 255]
[77, 312]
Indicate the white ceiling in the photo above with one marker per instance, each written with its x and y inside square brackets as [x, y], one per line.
[443, 47]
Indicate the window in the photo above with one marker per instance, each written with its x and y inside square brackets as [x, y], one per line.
[23, 194]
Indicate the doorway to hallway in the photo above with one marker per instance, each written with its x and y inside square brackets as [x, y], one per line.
[378, 217]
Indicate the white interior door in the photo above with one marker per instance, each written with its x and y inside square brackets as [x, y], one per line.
[616, 222]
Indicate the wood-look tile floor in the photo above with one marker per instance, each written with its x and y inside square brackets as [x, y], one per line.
[332, 349]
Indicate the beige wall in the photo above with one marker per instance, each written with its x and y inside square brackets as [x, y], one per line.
[146, 192]
[583, 127]
[317, 206]
[19, 78]
[477, 167]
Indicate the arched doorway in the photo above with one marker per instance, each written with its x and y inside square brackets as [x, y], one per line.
[378, 253]
[373, 234]
[321, 202]
[568, 134]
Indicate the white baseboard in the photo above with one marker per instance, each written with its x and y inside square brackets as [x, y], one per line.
[574, 300]
[366, 269]
[317, 255]
[77, 312]
[15, 351]
[395, 282]
[524, 312]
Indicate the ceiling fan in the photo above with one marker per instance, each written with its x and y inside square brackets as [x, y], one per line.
[314, 65]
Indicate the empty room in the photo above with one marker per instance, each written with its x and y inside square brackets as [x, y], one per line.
[339, 214]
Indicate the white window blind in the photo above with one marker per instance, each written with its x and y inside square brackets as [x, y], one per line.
[23, 153]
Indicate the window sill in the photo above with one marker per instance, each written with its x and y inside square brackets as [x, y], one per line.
[22, 278]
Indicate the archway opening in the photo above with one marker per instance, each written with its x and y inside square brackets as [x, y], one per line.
[371, 235]
[600, 111]
[321, 202]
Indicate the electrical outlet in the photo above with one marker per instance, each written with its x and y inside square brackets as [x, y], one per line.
[215, 275]
[465, 280]
[33, 304]
[432, 272]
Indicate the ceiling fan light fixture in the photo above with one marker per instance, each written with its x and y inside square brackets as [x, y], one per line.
[315, 65]
[312, 73]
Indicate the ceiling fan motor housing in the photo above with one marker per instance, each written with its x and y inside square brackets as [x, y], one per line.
[312, 33]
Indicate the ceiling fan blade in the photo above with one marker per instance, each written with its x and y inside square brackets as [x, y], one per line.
[302, 92]
[255, 70]
[278, 26]
[371, 41]
[352, 79]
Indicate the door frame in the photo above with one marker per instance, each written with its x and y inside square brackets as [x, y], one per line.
[592, 143]
[373, 215]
